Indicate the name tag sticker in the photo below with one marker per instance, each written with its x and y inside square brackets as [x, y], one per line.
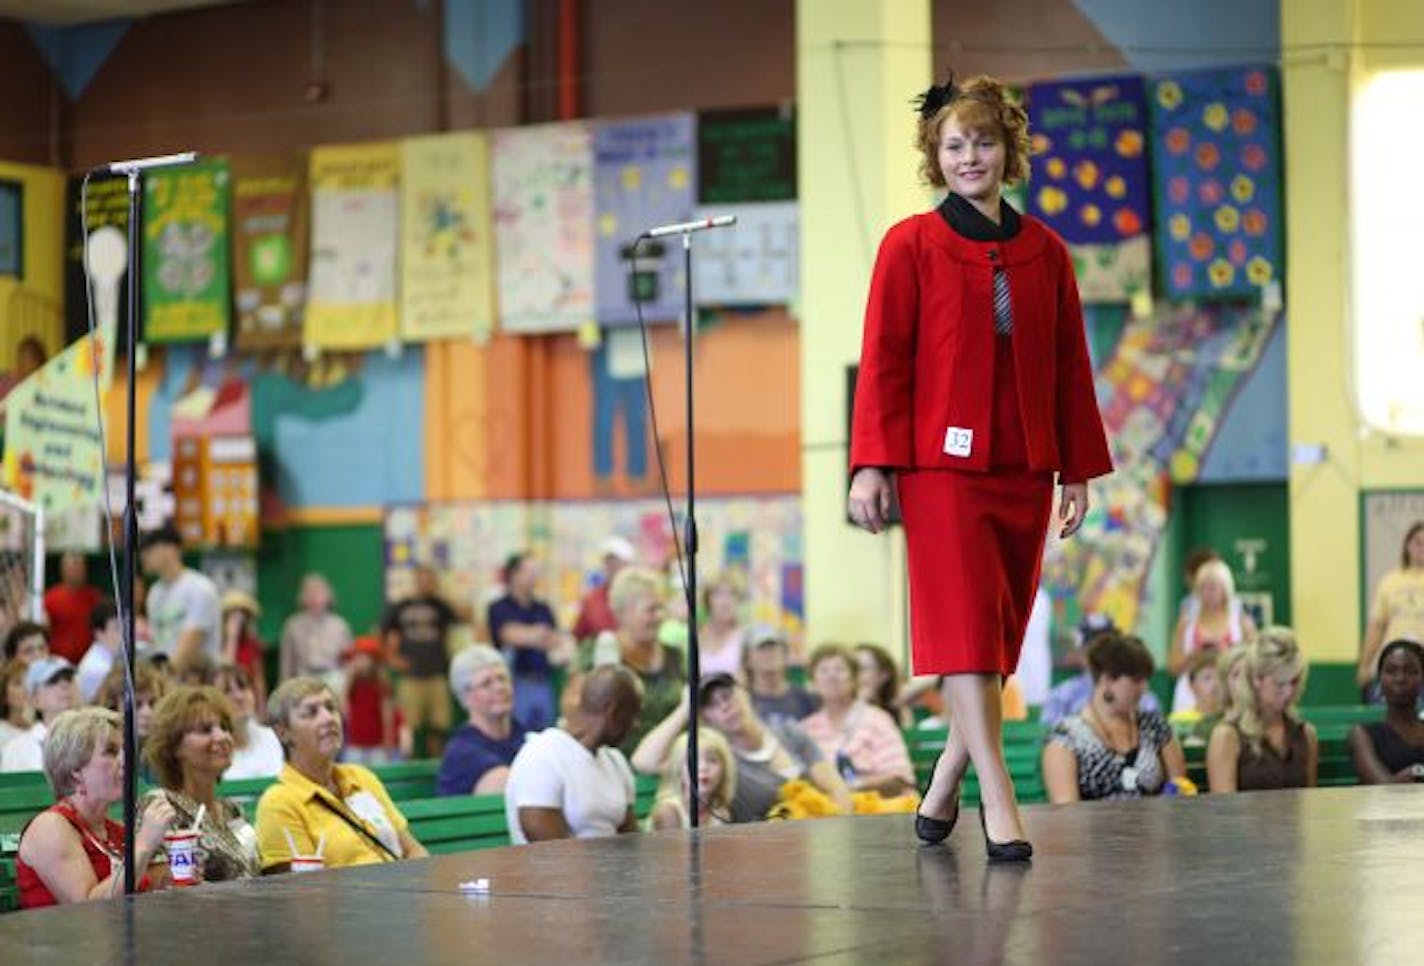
[958, 441]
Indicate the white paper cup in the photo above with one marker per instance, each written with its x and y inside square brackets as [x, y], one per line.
[182, 847]
[308, 863]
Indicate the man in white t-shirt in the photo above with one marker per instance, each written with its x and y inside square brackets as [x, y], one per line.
[183, 612]
[572, 781]
[50, 685]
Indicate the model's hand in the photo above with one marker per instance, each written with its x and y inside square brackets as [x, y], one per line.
[870, 498]
[1072, 508]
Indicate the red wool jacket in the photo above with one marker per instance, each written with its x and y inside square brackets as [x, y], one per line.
[924, 395]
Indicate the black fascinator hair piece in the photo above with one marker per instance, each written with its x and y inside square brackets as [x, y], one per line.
[931, 101]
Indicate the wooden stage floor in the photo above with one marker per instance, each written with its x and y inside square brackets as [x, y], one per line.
[1327, 876]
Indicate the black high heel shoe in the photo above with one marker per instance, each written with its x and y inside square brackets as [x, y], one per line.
[1016, 851]
[933, 831]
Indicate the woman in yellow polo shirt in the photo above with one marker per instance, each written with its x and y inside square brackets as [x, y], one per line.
[317, 807]
[1398, 611]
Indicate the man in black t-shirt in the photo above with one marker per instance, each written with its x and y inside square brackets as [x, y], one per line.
[415, 631]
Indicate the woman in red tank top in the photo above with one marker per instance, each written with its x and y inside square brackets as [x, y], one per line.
[72, 852]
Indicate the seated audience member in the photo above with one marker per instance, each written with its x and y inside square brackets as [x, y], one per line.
[636, 599]
[769, 754]
[1392, 750]
[49, 682]
[15, 717]
[571, 781]
[1216, 623]
[26, 642]
[1071, 696]
[73, 852]
[879, 682]
[369, 705]
[1111, 749]
[315, 639]
[241, 645]
[1262, 742]
[772, 694]
[105, 649]
[256, 752]
[478, 756]
[716, 784]
[523, 627]
[150, 685]
[317, 807]
[723, 637]
[861, 739]
[189, 748]
[1203, 676]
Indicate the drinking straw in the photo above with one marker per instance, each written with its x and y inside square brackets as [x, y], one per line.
[291, 842]
[321, 844]
[198, 820]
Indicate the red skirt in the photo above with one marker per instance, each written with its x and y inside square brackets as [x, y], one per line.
[975, 547]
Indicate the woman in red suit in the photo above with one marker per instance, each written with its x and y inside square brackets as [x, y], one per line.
[975, 388]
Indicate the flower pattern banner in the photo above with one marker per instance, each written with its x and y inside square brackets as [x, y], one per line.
[447, 246]
[644, 175]
[185, 252]
[1090, 181]
[543, 213]
[355, 228]
[1217, 150]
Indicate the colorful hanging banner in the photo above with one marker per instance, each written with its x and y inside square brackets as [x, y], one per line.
[1217, 154]
[1089, 180]
[108, 277]
[644, 175]
[756, 262]
[270, 245]
[543, 213]
[53, 454]
[746, 155]
[185, 252]
[447, 250]
[355, 227]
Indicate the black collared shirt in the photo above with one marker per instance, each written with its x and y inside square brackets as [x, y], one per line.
[969, 221]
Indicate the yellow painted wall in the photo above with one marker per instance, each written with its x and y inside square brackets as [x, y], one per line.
[1325, 532]
[35, 306]
[858, 63]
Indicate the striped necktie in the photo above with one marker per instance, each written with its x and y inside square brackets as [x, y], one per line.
[1003, 307]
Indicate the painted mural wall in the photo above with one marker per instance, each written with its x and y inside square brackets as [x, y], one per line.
[550, 428]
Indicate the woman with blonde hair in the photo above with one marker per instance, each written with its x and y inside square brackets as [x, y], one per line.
[974, 392]
[189, 747]
[716, 784]
[73, 851]
[723, 637]
[1213, 621]
[1262, 742]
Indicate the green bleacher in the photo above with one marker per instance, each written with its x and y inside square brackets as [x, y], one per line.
[468, 822]
[459, 823]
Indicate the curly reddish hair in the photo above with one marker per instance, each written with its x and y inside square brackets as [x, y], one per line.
[980, 104]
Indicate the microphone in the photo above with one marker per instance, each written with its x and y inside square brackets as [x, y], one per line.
[145, 164]
[683, 228]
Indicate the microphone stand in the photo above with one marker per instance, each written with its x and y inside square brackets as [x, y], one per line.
[694, 656]
[135, 182]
